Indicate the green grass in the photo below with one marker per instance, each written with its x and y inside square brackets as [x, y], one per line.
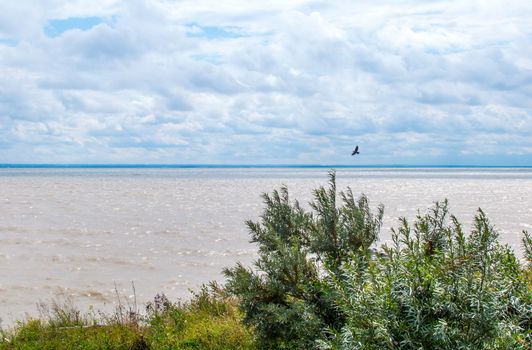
[36, 334]
[211, 320]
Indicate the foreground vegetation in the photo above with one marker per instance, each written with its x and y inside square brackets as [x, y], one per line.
[321, 282]
[211, 320]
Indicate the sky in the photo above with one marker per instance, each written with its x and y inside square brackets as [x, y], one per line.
[266, 82]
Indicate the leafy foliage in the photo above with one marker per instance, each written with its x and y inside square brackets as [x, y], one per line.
[319, 280]
[288, 300]
[436, 288]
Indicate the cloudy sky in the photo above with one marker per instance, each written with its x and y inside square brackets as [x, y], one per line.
[239, 82]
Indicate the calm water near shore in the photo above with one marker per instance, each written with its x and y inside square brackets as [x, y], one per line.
[76, 232]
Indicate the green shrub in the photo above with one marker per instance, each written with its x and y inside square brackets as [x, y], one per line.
[435, 288]
[287, 301]
[319, 280]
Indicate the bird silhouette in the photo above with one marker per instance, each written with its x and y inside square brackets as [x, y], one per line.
[355, 151]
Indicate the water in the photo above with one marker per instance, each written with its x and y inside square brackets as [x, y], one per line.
[79, 232]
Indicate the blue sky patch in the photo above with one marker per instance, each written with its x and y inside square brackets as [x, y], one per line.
[213, 32]
[9, 42]
[213, 59]
[56, 27]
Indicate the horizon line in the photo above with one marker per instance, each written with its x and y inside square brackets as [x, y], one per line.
[235, 166]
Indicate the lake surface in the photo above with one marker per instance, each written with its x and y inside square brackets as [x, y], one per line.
[79, 232]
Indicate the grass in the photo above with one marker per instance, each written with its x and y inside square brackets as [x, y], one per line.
[210, 320]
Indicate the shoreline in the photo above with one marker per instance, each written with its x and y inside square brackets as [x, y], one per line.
[256, 166]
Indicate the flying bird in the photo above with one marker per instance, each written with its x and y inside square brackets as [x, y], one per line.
[355, 151]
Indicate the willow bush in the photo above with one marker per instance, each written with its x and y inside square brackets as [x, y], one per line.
[435, 288]
[288, 300]
[320, 281]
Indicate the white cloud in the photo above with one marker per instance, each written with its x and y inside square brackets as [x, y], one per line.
[411, 81]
